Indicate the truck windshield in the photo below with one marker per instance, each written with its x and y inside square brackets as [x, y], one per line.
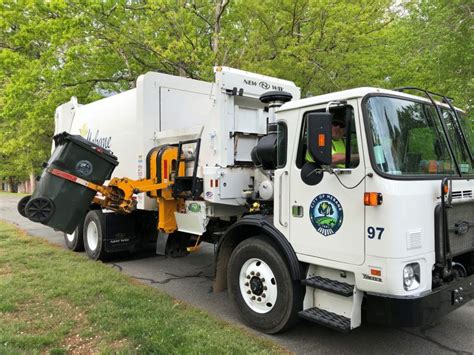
[408, 138]
[456, 132]
[467, 123]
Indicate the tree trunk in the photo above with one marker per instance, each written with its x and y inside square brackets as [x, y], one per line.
[32, 184]
[181, 71]
[220, 7]
[10, 184]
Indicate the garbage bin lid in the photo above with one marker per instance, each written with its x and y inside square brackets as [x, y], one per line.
[105, 154]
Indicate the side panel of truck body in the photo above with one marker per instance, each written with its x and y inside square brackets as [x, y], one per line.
[127, 123]
[227, 115]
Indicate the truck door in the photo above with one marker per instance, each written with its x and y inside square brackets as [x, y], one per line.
[326, 220]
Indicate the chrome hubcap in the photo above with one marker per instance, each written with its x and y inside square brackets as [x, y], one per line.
[258, 285]
[92, 236]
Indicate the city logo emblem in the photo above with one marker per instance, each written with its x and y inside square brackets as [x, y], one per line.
[326, 214]
[84, 167]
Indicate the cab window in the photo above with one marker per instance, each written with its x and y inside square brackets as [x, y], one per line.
[345, 153]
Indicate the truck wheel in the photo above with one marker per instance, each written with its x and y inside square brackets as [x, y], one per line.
[177, 245]
[261, 287]
[94, 235]
[75, 241]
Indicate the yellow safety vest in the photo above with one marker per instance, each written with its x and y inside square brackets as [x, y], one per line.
[338, 146]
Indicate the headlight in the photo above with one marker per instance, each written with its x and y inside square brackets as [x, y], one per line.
[411, 276]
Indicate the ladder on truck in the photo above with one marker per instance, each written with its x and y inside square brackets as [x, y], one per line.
[191, 186]
[332, 299]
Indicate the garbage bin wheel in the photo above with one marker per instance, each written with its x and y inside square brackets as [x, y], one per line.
[75, 241]
[39, 209]
[22, 204]
[94, 235]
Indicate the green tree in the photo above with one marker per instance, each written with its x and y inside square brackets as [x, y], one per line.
[435, 46]
[53, 50]
[325, 209]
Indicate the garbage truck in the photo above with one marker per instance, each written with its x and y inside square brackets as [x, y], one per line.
[349, 207]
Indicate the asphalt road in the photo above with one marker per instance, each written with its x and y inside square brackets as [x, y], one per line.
[189, 279]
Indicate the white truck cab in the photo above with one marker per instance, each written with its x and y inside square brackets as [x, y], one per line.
[382, 222]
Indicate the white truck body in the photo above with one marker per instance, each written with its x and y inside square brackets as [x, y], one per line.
[165, 108]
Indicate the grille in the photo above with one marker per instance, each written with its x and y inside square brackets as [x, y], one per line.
[462, 194]
[460, 218]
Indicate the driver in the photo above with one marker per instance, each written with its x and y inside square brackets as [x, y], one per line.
[338, 143]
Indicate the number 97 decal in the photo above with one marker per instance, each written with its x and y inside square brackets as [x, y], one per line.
[375, 232]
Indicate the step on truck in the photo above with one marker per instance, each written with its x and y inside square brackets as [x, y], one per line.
[341, 208]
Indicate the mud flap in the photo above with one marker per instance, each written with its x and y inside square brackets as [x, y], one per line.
[119, 233]
[161, 243]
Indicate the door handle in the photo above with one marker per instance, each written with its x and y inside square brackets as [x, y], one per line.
[280, 195]
[297, 211]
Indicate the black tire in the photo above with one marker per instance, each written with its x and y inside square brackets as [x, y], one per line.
[177, 244]
[289, 295]
[75, 240]
[22, 204]
[94, 224]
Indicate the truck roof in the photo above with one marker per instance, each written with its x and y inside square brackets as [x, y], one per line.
[351, 94]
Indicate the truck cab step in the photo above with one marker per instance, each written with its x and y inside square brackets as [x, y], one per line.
[333, 286]
[327, 319]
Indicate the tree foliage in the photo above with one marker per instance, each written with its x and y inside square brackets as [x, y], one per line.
[53, 50]
[436, 38]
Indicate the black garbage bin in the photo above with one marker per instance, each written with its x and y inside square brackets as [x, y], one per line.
[59, 202]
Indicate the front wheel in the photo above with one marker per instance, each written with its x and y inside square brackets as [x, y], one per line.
[261, 287]
[94, 235]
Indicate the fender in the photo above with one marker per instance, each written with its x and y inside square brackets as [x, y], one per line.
[247, 227]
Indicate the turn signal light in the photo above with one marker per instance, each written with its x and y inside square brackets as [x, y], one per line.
[321, 140]
[446, 188]
[373, 199]
[375, 272]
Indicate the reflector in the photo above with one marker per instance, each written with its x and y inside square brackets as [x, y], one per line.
[321, 140]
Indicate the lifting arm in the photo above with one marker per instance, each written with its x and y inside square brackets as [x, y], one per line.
[118, 195]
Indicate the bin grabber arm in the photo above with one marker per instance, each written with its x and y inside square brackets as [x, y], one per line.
[126, 202]
[119, 193]
[110, 197]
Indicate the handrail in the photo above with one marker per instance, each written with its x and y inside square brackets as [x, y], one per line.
[280, 194]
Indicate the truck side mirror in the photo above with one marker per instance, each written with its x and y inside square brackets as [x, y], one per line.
[320, 137]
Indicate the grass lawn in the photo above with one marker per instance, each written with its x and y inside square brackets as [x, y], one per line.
[4, 193]
[56, 301]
